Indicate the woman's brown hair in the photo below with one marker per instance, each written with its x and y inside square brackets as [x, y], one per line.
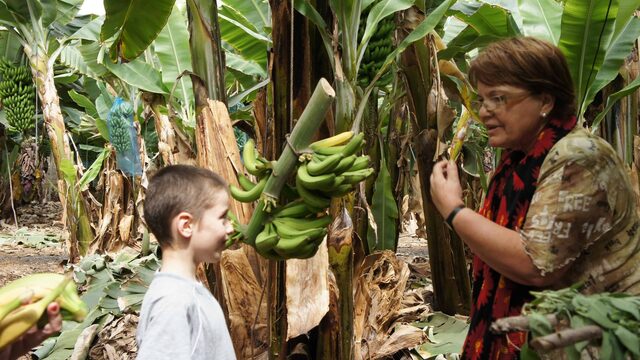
[528, 63]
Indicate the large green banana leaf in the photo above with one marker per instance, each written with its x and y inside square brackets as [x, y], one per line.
[135, 23]
[256, 11]
[612, 99]
[620, 47]
[587, 27]
[139, 74]
[59, 11]
[541, 19]
[174, 55]
[240, 34]
[20, 10]
[485, 24]
[90, 31]
[9, 46]
[626, 9]
[385, 212]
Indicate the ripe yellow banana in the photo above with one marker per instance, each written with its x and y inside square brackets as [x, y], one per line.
[25, 317]
[338, 139]
[41, 285]
[15, 303]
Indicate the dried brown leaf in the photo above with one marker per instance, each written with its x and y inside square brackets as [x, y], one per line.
[307, 288]
[247, 314]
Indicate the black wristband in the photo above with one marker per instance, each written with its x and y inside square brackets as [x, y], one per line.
[452, 215]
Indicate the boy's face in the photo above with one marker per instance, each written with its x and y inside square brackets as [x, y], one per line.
[210, 233]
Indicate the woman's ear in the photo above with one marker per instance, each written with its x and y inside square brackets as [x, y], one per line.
[548, 102]
[184, 224]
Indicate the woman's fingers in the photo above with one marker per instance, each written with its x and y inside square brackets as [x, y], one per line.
[55, 319]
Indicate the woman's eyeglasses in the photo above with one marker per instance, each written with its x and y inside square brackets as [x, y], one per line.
[495, 102]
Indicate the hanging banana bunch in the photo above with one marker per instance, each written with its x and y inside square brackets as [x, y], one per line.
[330, 168]
[17, 93]
[379, 47]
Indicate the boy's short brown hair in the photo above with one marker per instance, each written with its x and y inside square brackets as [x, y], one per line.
[175, 189]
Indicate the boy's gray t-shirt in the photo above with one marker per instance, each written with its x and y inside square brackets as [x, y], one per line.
[180, 319]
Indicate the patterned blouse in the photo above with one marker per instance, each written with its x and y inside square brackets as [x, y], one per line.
[571, 200]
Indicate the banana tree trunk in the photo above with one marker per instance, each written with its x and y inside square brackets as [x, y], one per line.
[206, 49]
[77, 215]
[450, 279]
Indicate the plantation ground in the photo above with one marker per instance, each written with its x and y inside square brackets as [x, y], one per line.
[40, 245]
[36, 244]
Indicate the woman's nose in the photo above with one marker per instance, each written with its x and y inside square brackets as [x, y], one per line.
[483, 113]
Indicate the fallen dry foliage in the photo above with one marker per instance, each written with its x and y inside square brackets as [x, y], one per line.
[117, 340]
[381, 315]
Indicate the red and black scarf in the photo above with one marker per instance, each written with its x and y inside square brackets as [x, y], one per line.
[507, 203]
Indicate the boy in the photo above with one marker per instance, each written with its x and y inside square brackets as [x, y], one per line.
[186, 209]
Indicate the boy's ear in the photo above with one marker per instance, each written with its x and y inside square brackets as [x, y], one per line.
[184, 224]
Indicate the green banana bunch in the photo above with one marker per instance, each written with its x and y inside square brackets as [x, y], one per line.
[24, 301]
[379, 47]
[18, 96]
[120, 127]
[333, 169]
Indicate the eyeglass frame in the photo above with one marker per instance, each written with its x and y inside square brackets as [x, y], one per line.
[499, 101]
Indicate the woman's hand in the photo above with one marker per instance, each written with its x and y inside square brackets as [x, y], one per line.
[446, 191]
[34, 336]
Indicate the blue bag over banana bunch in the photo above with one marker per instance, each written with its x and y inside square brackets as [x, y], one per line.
[24, 301]
[122, 135]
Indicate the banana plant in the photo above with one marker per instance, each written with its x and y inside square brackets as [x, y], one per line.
[33, 22]
[595, 37]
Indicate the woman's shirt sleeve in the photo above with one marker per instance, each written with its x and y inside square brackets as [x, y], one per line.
[583, 194]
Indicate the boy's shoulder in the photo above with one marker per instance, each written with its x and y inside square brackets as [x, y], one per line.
[171, 287]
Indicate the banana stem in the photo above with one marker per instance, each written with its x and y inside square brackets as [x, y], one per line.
[300, 138]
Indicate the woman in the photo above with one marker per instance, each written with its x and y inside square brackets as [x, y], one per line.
[560, 208]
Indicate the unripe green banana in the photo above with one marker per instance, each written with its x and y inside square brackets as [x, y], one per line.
[310, 198]
[362, 162]
[345, 164]
[295, 209]
[245, 183]
[267, 238]
[285, 231]
[353, 177]
[248, 195]
[341, 190]
[338, 139]
[250, 157]
[325, 166]
[303, 224]
[313, 182]
[290, 247]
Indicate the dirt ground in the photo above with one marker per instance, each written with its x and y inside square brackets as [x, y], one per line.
[35, 244]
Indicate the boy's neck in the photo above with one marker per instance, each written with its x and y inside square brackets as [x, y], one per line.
[179, 262]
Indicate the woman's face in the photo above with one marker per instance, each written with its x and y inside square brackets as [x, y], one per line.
[512, 115]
